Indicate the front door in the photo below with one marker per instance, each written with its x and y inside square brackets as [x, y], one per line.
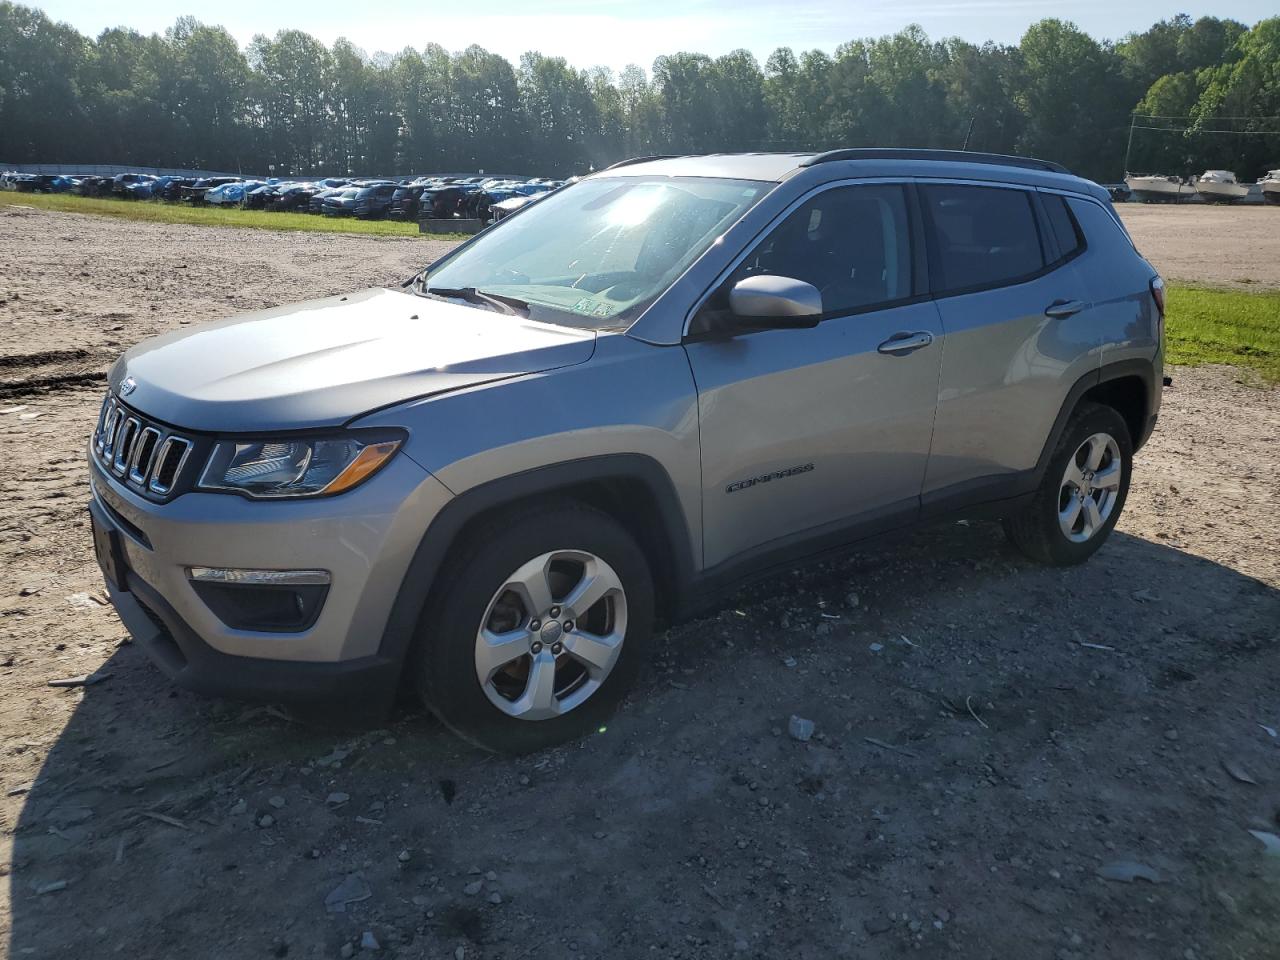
[810, 431]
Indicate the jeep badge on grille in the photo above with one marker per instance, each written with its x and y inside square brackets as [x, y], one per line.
[127, 386]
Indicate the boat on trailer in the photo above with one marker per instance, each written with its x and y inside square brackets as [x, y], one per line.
[1157, 189]
[1220, 186]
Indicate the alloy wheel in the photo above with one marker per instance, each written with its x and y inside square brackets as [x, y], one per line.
[1089, 488]
[551, 634]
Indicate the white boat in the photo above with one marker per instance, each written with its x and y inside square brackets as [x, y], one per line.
[1220, 186]
[1158, 189]
[1270, 185]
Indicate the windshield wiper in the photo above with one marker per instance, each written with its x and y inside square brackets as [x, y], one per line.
[509, 305]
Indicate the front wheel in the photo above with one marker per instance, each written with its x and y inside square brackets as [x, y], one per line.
[538, 630]
[1082, 493]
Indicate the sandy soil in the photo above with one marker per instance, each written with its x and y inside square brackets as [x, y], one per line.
[1200, 243]
[990, 734]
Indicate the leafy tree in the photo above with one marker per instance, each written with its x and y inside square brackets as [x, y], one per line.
[1248, 86]
[980, 83]
[1068, 97]
[191, 97]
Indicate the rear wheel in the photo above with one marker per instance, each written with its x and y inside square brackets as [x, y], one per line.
[539, 630]
[1083, 491]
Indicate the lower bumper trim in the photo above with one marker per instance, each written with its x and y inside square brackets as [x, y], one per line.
[367, 684]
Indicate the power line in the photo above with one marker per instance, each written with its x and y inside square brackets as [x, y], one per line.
[1239, 133]
[1159, 116]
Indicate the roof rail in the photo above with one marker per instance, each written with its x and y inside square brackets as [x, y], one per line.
[656, 156]
[954, 156]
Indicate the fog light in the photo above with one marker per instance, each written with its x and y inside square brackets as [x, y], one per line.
[272, 601]
[272, 578]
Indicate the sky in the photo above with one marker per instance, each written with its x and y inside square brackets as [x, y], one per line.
[613, 33]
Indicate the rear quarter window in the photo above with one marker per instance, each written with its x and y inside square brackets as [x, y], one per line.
[1100, 229]
[1063, 224]
[980, 236]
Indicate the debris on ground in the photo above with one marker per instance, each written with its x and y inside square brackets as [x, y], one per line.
[1270, 842]
[1237, 771]
[165, 818]
[891, 747]
[352, 889]
[88, 680]
[800, 728]
[1127, 871]
[877, 925]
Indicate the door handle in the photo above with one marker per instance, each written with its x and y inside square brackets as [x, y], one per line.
[902, 343]
[1063, 308]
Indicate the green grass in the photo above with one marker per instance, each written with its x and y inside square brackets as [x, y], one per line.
[155, 211]
[1240, 328]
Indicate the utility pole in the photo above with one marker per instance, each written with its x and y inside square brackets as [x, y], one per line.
[1133, 118]
[968, 133]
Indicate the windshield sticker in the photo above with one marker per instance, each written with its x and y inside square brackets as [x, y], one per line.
[592, 308]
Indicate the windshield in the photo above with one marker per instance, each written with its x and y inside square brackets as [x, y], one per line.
[597, 253]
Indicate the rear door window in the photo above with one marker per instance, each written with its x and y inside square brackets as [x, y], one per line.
[980, 236]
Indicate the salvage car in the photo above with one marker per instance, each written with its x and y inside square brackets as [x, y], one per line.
[230, 193]
[404, 201]
[373, 201]
[609, 410]
[196, 192]
[341, 203]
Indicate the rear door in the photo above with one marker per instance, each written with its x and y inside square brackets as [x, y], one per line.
[1019, 332]
[810, 431]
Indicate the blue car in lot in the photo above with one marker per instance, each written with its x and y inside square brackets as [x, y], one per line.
[373, 201]
[231, 193]
[135, 186]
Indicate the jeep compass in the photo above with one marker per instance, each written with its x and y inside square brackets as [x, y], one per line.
[489, 484]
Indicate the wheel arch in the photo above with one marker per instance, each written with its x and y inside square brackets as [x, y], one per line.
[632, 488]
[1126, 386]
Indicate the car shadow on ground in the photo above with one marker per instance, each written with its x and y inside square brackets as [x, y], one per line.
[983, 725]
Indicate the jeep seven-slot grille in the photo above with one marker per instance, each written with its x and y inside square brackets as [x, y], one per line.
[144, 455]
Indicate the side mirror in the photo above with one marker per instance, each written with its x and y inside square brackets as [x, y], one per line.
[766, 302]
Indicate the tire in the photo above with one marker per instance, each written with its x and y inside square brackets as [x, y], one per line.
[1041, 529]
[592, 663]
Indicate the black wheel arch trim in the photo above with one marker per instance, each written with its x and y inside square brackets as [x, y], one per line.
[1144, 370]
[443, 532]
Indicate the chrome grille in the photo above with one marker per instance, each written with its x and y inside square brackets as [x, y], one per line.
[144, 455]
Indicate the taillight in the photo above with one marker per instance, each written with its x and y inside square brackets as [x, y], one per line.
[1157, 293]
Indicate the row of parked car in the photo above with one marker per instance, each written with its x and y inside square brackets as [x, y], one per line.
[408, 198]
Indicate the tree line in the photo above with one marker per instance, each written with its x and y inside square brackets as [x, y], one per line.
[1208, 90]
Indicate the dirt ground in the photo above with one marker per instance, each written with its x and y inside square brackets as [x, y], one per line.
[1214, 245]
[992, 736]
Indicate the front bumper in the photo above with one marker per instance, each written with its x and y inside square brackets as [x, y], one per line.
[365, 539]
[183, 656]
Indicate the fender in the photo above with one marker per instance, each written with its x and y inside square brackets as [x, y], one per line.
[1143, 369]
[448, 524]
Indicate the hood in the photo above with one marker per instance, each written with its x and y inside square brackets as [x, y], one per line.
[323, 362]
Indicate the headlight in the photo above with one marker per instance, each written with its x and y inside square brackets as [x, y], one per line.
[302, 467]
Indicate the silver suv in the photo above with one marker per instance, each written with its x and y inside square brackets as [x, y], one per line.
[611, 408]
